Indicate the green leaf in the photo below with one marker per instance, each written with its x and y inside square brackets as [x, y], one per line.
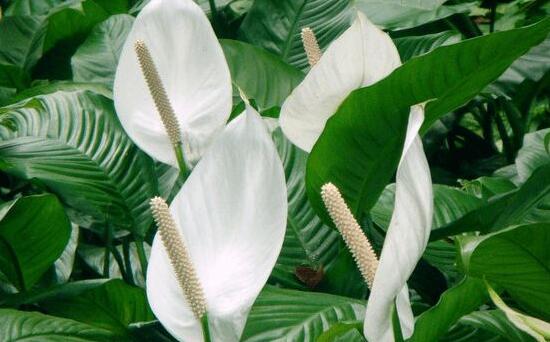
[275, 25]
[344, 331]
[487, 187]
[31, 7]
[412, 46]
[462, 299]
[288, 315]
[111, 306]
[261, 75]
[34, 327]
[533, 154]
[515, 207]
[496, 322]
[308, 242]
[33, 233]
[361, 144]
[75, 19]
[535, 327]
[21, 40]
[517, 259]
[398, 14]
[97, 58]
[73, 143]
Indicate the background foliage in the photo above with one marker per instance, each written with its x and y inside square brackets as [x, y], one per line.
[75, 229]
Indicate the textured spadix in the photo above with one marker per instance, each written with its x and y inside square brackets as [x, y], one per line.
[350, 230]
[179, 257]
[192, 70]
[231, 213]
[361, 56]
[311, 47]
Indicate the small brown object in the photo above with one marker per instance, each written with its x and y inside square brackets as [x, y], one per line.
[311, 277]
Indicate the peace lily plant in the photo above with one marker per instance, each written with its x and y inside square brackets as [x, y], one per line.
[172, 88]
[219, 239]
[360, 57]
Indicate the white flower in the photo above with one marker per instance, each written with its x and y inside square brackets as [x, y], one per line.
[360, 57]
[231, 214]
[193, 73]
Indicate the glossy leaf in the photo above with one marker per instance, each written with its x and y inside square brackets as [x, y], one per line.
[533, 154]
[297, 316]
[33, 233]
[275, 25]
[111, 306]
[516, 259]
[262, 76]
[33, 326]
[96, 59]
[72, 143]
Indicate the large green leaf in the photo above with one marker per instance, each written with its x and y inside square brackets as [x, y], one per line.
[288, 315]
[33, 233]
[97, 58]
[533, 154]
[517, 259]
[31, 7]
[308, 242]
[73, 143]
[523, 205]
[413, 46]
[462, 299]
[275, 25]
[21, 39]
[261, 75]
[496, 322]
[361, 145]
[399, 14]
[36, 327]
[113, 306]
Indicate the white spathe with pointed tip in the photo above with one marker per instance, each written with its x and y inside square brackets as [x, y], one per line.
[231, 213]
[193, 71]
[360, 57]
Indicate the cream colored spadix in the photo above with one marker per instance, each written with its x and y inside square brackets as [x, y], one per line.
[360, 57]
[158, 93]
[355, 239]
[179, 257]
[231, 216]
[190, 82]
[311, 47]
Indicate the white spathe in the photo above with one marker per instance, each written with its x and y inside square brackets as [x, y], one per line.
[231, 213]
[406, 238]
[193, 70]
[361, 56]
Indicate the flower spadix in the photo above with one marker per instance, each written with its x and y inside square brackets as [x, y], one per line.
[231, 216]
[360, 57]
[172, 83]
[355, 239]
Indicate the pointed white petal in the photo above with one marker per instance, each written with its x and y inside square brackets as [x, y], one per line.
[193, 70]
[232, 214]
[405, 240]
[361, 56]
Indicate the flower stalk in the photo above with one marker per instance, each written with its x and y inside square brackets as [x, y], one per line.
[353, 236]
[311, 46]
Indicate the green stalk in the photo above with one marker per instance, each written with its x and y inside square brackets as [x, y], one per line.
[181, 161]
[205, 328]
[107, 257]
[127, 261]
[141, 254]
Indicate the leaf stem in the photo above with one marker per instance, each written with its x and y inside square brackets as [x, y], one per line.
[141, 255]
[205, 328]
[107, 257]
[127, 261]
